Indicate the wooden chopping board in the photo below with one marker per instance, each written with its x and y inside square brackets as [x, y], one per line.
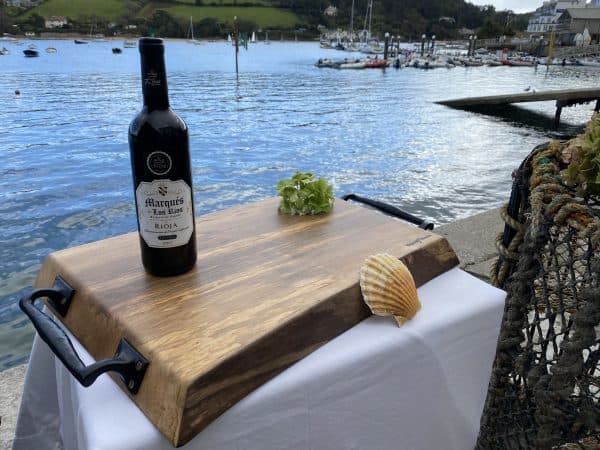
[267, 290]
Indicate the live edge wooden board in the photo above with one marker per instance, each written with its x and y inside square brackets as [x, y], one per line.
[267, 290]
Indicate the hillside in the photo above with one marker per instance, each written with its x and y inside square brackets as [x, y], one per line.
[407, 18]
[412, 18]
[263, 17]
[110, 10]
[146, 14]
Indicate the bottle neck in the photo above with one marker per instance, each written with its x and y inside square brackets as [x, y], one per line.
[154, 80]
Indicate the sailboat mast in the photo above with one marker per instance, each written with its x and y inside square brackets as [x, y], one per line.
[352, 21]
[370, 15]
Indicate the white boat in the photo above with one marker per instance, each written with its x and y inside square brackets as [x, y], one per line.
[429, 63]
[100, 38]
[229, 39]
[470, 62]
[586, 62]
[521, 63]
[353, 65]
[366, 49]
[253, 38]
[326, 62]
[492, 63]
[129, 44]
[4, 51]
[32, 46]
[267, 38]
[352, 47]
[190, 34]
[50, 50]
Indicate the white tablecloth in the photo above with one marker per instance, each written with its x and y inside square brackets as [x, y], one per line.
[376, 386]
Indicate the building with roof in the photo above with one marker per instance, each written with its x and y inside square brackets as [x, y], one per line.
[55, 21]
[330, 11]
[575, 21]
[545, 17]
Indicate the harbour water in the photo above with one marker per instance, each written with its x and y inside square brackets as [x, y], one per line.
[64, 161]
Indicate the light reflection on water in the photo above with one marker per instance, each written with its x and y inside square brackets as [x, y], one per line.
[65, 173]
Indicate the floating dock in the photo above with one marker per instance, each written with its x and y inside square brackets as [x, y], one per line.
[563, 98]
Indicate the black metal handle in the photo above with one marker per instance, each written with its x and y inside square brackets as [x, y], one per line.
[391, 210]
[128, 363]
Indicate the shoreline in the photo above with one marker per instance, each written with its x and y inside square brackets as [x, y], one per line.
[70, 37]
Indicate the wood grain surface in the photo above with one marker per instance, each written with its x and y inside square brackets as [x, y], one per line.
[267, 290]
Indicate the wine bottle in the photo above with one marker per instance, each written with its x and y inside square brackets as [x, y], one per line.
[162, 176]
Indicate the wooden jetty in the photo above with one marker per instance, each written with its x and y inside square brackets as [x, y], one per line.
[563, 98]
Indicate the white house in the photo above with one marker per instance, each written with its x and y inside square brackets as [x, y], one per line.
[22, 3]
[330, 11]
[546, 16]
[55, 21]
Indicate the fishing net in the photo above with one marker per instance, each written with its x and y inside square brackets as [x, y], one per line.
[544, 392]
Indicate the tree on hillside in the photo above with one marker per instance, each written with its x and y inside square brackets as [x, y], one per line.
[37, 21]
[163, 24]
[246, 26]
[34, 22]
[490, 30]
[129, 14]
[207, 27]
[413, 24]
[6, 21]
[409, 18]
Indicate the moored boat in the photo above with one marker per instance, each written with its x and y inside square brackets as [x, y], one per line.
[326, 62]
[521, 63]
[30, 53]
[472, 62]
[353, 65]
[117, 50]
[375, 63]
[80, 41]
[50, 50]
[587, 62]
[129, 44]
[190, 35]
[493, 63]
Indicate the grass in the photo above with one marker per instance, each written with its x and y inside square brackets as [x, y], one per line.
[112, 10]
[264, 17]
[109, 9]
[227, 2]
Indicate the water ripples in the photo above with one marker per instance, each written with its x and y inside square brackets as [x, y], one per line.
[65, 174]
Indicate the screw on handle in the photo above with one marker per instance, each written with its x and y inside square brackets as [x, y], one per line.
[391, 211]
[128, 363]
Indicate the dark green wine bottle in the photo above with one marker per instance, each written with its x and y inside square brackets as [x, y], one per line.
[162, 175]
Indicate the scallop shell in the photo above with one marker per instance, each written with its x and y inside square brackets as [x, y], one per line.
[388, 288]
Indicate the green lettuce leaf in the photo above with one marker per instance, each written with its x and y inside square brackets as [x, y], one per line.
[303, 194]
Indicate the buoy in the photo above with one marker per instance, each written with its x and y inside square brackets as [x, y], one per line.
[17, 92]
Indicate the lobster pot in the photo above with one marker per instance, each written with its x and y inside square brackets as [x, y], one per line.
[545, 385]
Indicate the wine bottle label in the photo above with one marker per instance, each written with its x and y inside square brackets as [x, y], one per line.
[165, 213]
